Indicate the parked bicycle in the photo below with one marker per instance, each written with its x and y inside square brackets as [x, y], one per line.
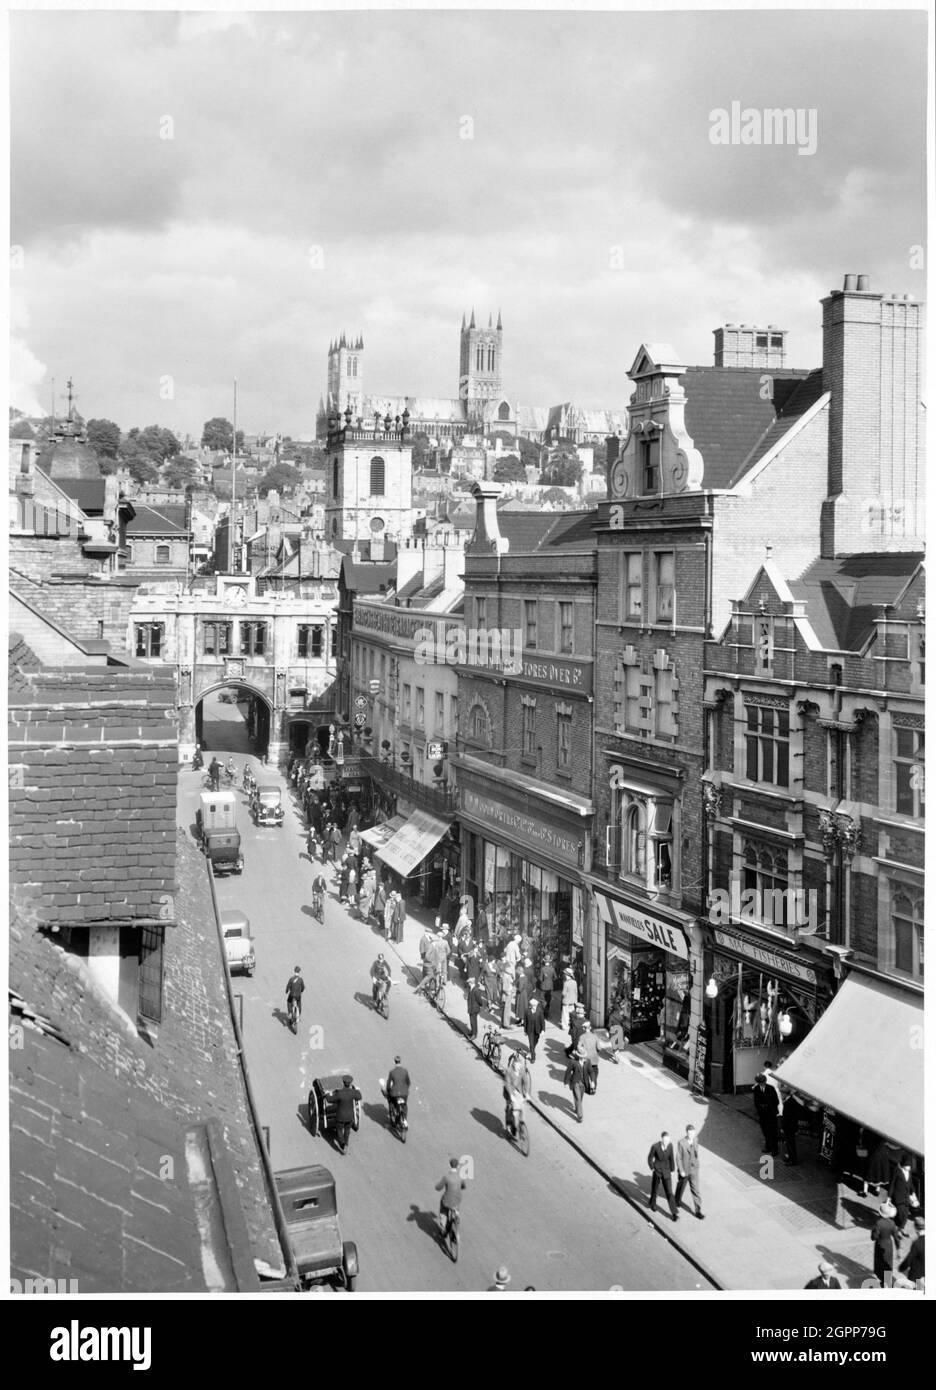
[492, 1047]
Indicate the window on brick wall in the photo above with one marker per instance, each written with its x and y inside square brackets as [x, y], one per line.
[909, 783]
[479, 728]
[310, 644]
[666, 696]
[439, 726]
[480, 612]
[253, 637]
[564, 738]
[163, 555]
[217, 638]
[640, 838]
[767, 745]
[663, 592]
[904, 949]
[632, 587]
[528, 725]
[420, 707]
[149, 639]
[765, 871]
[529, 622]
[566, 627]
[406, 707]
[650, 465]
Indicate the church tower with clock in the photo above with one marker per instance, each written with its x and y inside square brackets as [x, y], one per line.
[369, 479]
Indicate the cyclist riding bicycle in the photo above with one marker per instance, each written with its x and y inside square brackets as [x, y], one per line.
[380, 977]
[518, 1085]
[231, 770]
[398, 1089]
[294, 989]
[319, 888]
[451, 1186]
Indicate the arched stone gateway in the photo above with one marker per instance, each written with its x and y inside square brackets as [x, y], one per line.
[260, 723]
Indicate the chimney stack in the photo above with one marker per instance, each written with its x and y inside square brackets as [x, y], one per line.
[487, 538]
[872, 363]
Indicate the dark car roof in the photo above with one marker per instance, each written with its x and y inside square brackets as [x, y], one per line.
[267, 787]
[315, 1180]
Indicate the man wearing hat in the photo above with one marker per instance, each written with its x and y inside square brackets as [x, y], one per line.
[587, 1049]
[576, 1027]
[569, 996]
[476, 1001]
[767, 1105]
[533, 1024]
[398, 1089]
[345, 1098]
[825, 1278]
[501, 1280]
[883, 1234]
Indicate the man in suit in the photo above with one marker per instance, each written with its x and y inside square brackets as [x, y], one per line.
[914, 1262]
[476, 1002]
[662, 1164]
[902, 1191]
[533, 1024]
[825, 1278]
[767, 1105]
[575, 1080]
[687, 1166]
[883, 1234]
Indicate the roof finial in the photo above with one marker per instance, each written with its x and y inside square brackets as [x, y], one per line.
[499, 324]
[472, 323]
[71, 400]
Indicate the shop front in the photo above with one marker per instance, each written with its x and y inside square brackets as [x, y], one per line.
[521, 866]
[647, 977]
[423, 854]
[762, 1001]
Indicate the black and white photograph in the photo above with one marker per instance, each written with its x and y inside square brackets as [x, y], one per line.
[466, 664]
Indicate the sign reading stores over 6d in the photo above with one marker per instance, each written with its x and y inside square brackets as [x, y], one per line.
[360, 702]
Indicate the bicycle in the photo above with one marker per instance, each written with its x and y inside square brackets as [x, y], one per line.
[381, 996]
[435, 991]
[492, 1047]
[449, 1232]
[292, 1012]
[516, 1126]
[318, 906]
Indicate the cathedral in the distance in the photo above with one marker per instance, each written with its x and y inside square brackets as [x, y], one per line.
[480, 408]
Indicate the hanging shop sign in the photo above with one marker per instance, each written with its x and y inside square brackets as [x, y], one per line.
[772, 960]
[637, 922]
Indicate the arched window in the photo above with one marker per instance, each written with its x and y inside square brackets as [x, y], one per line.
[377, 476]
[503, 411]
[634, 847]
[478, 728]
[334, 477]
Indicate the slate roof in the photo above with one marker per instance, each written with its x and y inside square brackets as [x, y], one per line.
[149, 521]
[87, 492]
[547, 531]
[843, 596]
[95, 1112]
[791, 408]
[368, 577]
[727, 416]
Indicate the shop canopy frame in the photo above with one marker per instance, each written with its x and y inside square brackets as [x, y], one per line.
[378, 835]
[864, 1059]
[413, 842]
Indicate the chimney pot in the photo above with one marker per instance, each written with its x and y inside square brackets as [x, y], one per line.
[864, 284]
[851, 283]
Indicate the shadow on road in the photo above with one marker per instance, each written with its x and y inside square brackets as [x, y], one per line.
[282, 1016]
[366, 1000]
[378, 1113]
[426, 1221]
[490, 1122]
[553, 1102]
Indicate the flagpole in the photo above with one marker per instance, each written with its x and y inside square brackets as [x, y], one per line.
[234, 564]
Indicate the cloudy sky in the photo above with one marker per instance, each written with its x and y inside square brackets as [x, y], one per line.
[201, 196]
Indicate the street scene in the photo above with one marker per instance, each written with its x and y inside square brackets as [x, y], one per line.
[466, 658]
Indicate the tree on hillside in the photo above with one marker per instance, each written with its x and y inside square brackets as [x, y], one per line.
[180, 472]
[138, 462]
[529, 452]
[104, 438]
[421, 451]
[218, 433]
[563, 469]
[509, 469]
[157, 443]
[282, 476]
[555, 494]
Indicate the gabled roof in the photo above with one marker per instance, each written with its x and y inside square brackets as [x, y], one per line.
[148, 521]
[531, 531]
[802, 396]
[87, 492]
[727, 415]
[655, 357]
[844, 596]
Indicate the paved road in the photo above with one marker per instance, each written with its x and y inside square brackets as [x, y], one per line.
[552, 1219]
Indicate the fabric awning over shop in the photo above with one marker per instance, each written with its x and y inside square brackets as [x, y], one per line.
[864, 1058]
[380, 834]
[413, 842]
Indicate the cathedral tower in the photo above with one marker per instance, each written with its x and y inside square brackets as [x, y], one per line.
[346, 376]
[479, 379]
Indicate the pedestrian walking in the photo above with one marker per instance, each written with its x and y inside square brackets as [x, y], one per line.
[389, 907]
[476, 1003]
[482, 930]
[661, 1160]
[524, 988]
[883, 1235]
[398, 918]
[825, 1279]
[576, 1028]
[533, 1025]
[902, 1192]
[335, 842]
[488, 979]
[344, 875]
[575, 1080]
[913, 1264]
[569, 996]
[501, 1280]
[687, 1168]
[587, 1048]
[512, 951]
[508, 980]
[767, 1105]
[214, 773]
[311, 844]
[547, 983]
[789, 1122]
[425, 941]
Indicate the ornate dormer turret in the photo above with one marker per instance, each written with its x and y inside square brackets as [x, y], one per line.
[658, 456]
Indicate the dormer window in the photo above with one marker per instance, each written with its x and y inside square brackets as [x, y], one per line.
[650, 465]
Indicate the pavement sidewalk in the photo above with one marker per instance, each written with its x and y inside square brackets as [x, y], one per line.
[767, 1225]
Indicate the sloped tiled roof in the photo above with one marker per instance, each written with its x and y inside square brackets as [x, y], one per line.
[793, 407]
[726, 414]
[148, 521]
[367, 576]
[547, 531]
[87, 492]
[843, 596]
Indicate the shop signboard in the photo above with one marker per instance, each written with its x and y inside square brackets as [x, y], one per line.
[638, 922]
[773, 961]
[527, 830]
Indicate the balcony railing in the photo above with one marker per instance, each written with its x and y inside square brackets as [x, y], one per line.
[438, 800]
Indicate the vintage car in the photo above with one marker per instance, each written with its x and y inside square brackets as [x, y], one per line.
[238, 943]
[307, 1196]
[219, 837]
[266, 803]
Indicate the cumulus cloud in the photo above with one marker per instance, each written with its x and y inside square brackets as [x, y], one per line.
[205, 195]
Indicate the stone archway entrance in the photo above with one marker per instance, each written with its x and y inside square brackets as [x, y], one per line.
[233, 717]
